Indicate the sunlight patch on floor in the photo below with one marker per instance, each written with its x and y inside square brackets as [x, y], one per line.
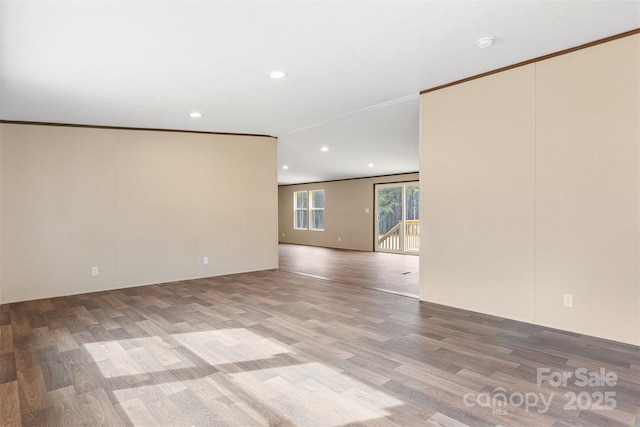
[230, 345]
[304, 393]
[135, 356]
[313, 394]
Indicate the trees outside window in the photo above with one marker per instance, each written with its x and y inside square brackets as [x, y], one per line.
[300, 210]
[308, 210]
[317, 210]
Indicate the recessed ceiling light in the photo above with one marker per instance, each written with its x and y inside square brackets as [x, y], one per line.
[371, 165]
[486, 41]
[325, 149]
[277, 74]
[196, 114]
[285, 167]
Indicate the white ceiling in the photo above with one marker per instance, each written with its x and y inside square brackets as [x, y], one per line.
[355, 68]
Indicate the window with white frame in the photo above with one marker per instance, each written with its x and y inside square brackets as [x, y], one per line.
[300, 210]
[316, 211]
[308, 210]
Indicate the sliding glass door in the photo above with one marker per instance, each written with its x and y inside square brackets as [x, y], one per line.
[397, 217]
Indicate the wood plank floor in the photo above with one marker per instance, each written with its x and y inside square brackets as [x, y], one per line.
[274, 348]
[389, 272]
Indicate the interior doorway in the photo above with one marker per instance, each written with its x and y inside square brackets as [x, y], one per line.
[397, 217]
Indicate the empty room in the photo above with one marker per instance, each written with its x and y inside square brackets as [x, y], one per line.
[320, 213]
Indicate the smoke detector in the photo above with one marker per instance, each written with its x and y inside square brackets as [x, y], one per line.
[486, 41]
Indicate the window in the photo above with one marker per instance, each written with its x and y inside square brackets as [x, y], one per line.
[308, 210]
[317, 209]
[300, 210]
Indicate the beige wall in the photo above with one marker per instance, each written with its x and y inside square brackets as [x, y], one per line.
[587, 190]
[530, 190]
[346, 218]
[1, 298]
[143, 206]
[477, 195]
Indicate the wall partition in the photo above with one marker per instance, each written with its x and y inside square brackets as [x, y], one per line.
[530, 183]
[87, 209]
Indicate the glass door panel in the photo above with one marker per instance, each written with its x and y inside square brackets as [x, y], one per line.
[412, 218]
[397, 217]
[389, 218]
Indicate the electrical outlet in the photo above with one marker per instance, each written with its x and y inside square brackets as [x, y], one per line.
[205, 260]
[94, 271]
[282, 234]
[568, 300]
[339, 239]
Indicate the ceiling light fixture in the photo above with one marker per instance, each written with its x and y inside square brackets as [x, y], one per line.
[196, 115]
[285, 167]
[325, 149]
[277, 74]
[371, 165]
[486, 41]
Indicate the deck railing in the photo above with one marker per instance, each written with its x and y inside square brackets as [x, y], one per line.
[391, 239]
[412, 235]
